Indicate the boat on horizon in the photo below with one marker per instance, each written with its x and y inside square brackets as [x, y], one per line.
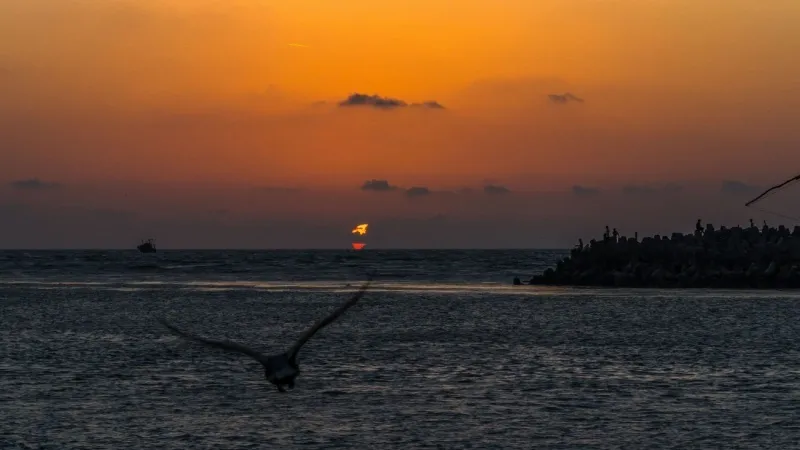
[147, 246]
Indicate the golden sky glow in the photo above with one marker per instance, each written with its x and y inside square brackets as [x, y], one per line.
[247, 92]
[159, 52]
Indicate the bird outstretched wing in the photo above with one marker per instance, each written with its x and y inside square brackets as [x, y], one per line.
[292, 353]
[224, 345]
[773, 189]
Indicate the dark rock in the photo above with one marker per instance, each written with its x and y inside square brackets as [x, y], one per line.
[725, 258]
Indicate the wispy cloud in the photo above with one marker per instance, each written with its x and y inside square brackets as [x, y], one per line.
[651, 190]
[429, 104]
[564, 98]
[279, 189]
[734, 187]
[34, 184]
[583, 191]
[493, 189]
[418, 191]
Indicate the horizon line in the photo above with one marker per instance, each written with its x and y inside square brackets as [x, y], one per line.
[286, 249]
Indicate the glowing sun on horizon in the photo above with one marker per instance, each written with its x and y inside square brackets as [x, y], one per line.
[360, 230]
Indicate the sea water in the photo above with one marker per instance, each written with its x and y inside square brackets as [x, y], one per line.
[442, 353]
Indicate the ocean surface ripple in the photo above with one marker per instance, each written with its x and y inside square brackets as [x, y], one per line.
[443, 354]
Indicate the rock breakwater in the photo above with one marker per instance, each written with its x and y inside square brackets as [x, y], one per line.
[736, 257]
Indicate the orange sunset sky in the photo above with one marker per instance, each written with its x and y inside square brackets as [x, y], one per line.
[210, 124]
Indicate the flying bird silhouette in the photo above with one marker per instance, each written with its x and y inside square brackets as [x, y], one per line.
[280, 369]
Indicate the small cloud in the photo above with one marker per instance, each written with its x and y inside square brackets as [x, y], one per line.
[377, 186]
[418, 191]
[298, 45]
[493, 189]
[583, 191]
[376, 101]
[34, 184]
[734, 187]
[564, 98]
